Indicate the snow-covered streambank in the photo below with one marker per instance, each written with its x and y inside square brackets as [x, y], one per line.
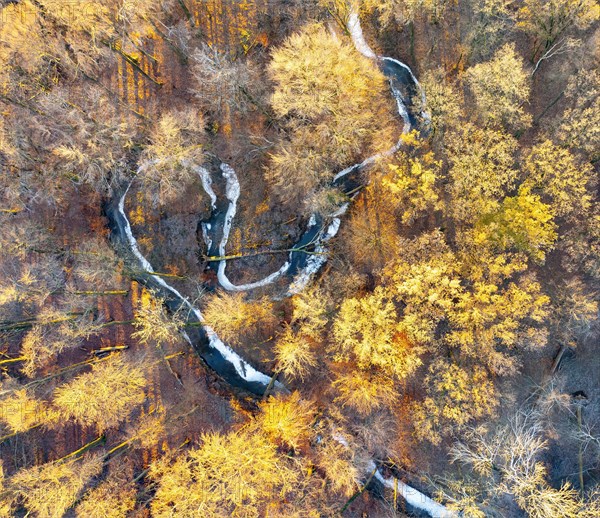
[358, 37]
[318, 257]
[413, 497]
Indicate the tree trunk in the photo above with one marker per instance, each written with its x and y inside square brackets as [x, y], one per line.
[271, 384]
[360, 491]
[98, 440]
[580, 453]
[13, 360]
[101, 293]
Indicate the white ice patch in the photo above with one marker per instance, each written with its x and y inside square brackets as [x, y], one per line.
[343, 173]
[333, 228]
[412, 76]
[313, 265]
[358, 37]
[207, 240]
[426, 116]
[372, 159]
[402, 111]
[243, 368]
[206, 180]
[232, 193]
[412, 496]
[317, 259]
[341, 211]
[224, 281]
[207, 185]
[341, 439]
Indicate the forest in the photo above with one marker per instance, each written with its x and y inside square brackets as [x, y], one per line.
[299, 258]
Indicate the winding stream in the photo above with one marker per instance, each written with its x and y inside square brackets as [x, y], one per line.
[309, 253]
[217, 355]
[299, 267]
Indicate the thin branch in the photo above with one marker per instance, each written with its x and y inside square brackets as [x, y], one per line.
[98, 440]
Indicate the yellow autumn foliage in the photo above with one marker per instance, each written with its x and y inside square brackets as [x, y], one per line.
[233, 474]
[500, 87]
[455, 397]
[287, 419]
[50, 489]
[103, 397]
[367, 331]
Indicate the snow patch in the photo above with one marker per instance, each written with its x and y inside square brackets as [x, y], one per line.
[232, 193]
[224, 281]
[205, 235]
[244, 369]
[402, 111]
[341, 211]
[412, 496]
[318, 258]
[206, 180]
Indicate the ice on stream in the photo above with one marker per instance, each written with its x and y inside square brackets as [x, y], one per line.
[206, 180]
[317, 258]
[358, 38]
[243, 368]
[232, 193]
[413, 496]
